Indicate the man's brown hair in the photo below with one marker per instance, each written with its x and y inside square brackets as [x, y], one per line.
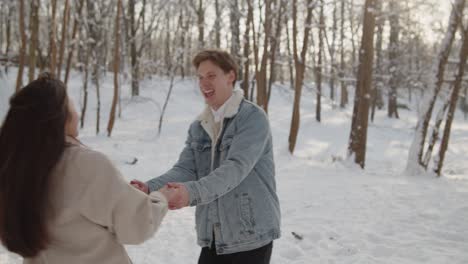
[221, 58]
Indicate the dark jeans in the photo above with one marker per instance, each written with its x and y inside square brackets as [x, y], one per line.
[256, 256]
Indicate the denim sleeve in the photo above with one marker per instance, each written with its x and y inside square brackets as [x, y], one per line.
[184, 170]
[247, 147]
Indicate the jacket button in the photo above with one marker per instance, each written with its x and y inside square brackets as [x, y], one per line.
[220, 250]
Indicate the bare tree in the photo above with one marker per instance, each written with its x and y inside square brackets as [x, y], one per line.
[358, 135]
[318, 70]
[344, 90]
[52, 37]
[246, 80]
[415, 154]
[280, 6]
[22, 51]
[453, 101]
[299, 63]
[261, 73]
[74, 40]
[110, 125]
[66, 18]
[34, 29]
[393, 58]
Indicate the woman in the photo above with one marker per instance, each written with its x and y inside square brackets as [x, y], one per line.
[59, 201]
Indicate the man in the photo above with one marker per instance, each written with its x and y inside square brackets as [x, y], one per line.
[226, 170]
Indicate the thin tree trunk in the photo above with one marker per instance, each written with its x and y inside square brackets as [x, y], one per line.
[110, 125]
[85, 88]
[66, 18]
[290, 56]
[8, 33]
[261, 75]
[52, 42]
[74, 41]
[393, 57]
[201, 24]
[133, 49]
[22, 51]
[33, 43]
[300, 62]
[358, 135]
[274, 47]
[453, 103]
[318, 105]
[436, 131]
[376, 94]
[246, 80]
[344, 90]
[333, 52]
[415, 154]
[234, 17]
[217, 25]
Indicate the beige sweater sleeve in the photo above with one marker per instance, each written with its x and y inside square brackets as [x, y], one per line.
[108, 200]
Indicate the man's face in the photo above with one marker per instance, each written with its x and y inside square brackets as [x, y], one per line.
[215, 84]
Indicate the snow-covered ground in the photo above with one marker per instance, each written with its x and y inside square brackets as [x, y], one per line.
[343, 214]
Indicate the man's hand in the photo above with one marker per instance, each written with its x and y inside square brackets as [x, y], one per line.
[140, 186]
[177, 194]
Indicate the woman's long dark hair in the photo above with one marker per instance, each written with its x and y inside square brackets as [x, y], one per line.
[32, 140]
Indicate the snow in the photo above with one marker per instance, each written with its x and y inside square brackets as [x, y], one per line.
[343, 213]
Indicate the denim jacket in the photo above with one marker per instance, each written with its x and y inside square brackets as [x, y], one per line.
[230, 179]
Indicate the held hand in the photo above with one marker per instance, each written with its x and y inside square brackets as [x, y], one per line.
[179, 196]
[140, 186]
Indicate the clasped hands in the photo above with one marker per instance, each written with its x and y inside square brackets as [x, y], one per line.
[176, 193]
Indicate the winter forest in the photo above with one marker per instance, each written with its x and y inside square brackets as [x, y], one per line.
[367, 102]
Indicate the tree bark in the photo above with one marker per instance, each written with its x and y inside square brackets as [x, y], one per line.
[33, 43]
[393, 59]
[66, 18]
[74, 41]
[110, 125]
[358, 135]
[415, 155]
[22, 51]
[453, 103]
[52, 41]
[319, 67]
[299, 62]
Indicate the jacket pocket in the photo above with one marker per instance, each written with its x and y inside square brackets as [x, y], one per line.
[246, 214]
[202, 153]
[224, 147]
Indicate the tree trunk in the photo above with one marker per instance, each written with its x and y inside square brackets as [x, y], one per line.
[358, 135]
[66, 18]
[393, 59]
[217, 25]
[299, 62]
[201, 24]
[415, 163]
[22, 51]
[73, 42]
[319, 68]
[234, 17]
[280, 6]
[344, 90]
[333, 53]
[453, 103]
[52, 41]
[290, 56]
[110, 125]
[33, 43]
[376, 94]
[261, 75]
[8, 33]
[246, 80]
